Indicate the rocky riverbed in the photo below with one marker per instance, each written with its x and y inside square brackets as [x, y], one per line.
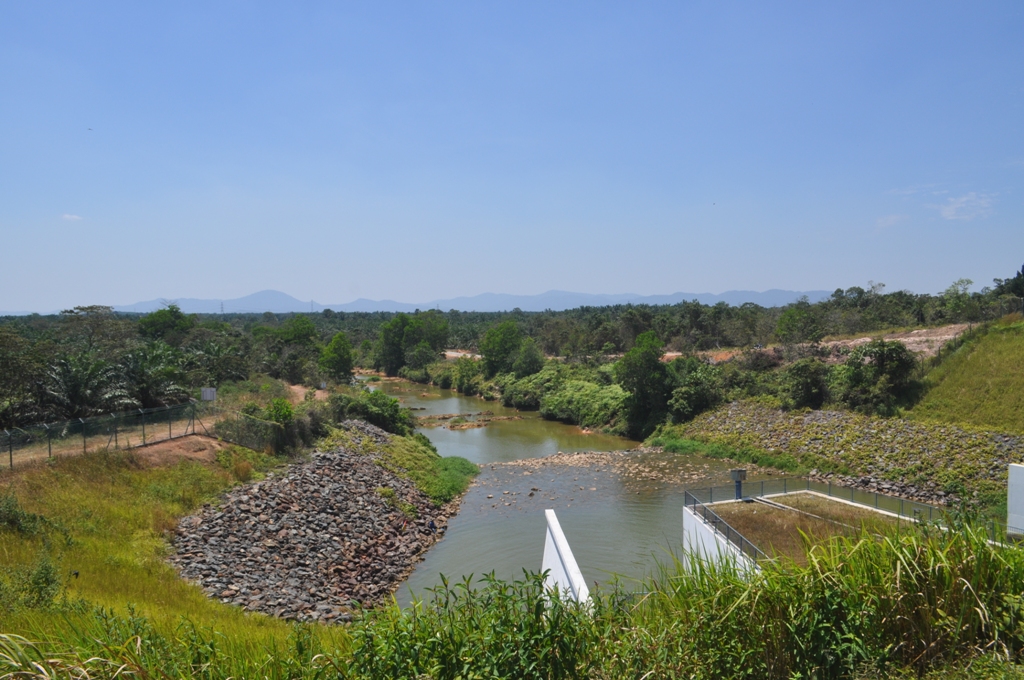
[315, 540]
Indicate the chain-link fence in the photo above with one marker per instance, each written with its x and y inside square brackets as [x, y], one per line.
[141, 427]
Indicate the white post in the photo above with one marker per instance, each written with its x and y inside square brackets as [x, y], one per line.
[1015, 499]
[563, 572]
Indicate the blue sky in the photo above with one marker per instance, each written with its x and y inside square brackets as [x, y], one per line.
[416, 151]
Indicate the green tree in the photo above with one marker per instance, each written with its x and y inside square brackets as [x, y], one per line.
[804, 384]
[420, 356]
[336, 358]
[499, 346]
[529, 359]
[152, 375]
[698, 388]
[390, 351]
[20, 371]
[298, 330]
[957, 300]
[799, 323]
[875, 378]
[642, 373]
[279, 411]
[1012, 286]
[169, 324]
[81, 385]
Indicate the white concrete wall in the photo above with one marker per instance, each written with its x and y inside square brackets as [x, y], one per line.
[1015, 498]
[563, 572]
[703, 542]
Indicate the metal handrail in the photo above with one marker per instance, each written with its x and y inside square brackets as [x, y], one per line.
[720, 526]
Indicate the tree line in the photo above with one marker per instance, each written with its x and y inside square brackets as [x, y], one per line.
[90, 360]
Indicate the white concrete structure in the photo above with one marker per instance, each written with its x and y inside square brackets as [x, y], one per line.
[701, 540]
[563, 572]
[1015, 500]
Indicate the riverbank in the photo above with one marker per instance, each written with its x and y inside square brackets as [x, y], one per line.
[317, 540]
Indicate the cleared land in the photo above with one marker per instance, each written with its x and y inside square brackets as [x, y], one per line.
[789, 533]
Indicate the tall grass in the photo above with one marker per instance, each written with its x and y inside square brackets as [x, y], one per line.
[981, 384]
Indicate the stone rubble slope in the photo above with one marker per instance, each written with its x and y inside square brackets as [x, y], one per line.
[924, 461]
[313, 541]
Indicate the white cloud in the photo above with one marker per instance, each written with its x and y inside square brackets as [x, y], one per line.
[890, 221]
[967, 207]
[73, 218]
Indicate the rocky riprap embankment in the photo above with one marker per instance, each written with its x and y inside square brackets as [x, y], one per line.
[313, 541]
[925, 461]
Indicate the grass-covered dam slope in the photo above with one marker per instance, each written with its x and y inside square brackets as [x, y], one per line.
[982, 384]
[928, 461]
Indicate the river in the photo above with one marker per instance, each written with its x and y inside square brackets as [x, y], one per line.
[617, 524]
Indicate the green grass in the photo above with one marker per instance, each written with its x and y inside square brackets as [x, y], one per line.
[982, 384]
[110, 517]
[673, 444]
[958, 460]
[922, 603]
[414, 458]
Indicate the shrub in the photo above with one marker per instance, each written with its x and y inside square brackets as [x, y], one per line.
[586, 404]
[804, 384]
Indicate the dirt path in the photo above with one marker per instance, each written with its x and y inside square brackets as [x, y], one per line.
[298, 393]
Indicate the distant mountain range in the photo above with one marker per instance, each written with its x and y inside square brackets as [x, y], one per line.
[557, 300]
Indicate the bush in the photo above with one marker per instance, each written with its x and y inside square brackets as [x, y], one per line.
[586, 404]
[699, 389]
[875, 378]
[804, 384]
[375, 408]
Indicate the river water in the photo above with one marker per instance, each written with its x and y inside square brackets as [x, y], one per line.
[618, 524]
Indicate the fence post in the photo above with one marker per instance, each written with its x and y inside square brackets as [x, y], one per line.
[712, 500]
[901, 507]
[876, 500]
[10, 447]
[783, 485]
[143, 426]
[830, 489]
[762, 487]
[170, 434]
[117, 445]
[83, 434]
[49, 441]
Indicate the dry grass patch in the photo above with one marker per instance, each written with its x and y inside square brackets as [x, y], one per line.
[789, 533]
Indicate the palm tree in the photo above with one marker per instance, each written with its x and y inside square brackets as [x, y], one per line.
[152, 375]
[79, 386]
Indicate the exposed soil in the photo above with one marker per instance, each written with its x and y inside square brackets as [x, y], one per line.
[923, 341]
[169, 452]
[298, 394]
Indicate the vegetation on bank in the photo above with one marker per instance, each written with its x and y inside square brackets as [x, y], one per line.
[965, 462]
[919, 603]
[89, 360]
[982, 383]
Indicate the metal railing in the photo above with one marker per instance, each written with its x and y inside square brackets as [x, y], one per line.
[720, 526]
[872, 499]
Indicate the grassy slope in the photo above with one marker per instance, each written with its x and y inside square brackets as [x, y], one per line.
[116, 514]
[982, 384]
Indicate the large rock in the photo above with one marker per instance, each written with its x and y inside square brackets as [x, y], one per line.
[315, 540]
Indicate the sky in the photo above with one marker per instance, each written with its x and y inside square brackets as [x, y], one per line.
[417, 151]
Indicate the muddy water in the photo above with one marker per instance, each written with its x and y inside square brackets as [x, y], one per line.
[619, 512]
